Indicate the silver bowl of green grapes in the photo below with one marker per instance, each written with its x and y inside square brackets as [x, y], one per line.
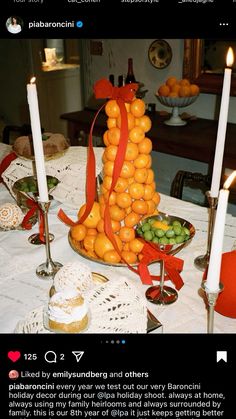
[168, 232]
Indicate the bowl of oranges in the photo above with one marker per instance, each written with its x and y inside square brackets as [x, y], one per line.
[177, 94]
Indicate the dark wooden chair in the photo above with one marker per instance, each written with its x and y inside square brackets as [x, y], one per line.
[184, 178]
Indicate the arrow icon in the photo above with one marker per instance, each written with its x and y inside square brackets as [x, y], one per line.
[78, 355]
[221, 355]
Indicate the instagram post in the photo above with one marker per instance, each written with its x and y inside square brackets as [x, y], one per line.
[118, 209]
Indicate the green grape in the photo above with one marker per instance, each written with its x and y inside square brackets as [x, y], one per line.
[148, 235]
[170, 233]
[177, 230]
[164, 240]
[155, 240]
[146, 227]
[176, 223]
[159, 233]
[172, 241]
[180, 239]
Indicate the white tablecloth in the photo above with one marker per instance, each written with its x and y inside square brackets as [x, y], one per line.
[21, 290]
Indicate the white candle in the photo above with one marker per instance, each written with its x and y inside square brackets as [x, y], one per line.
[213, 274]
[221, 132]
[37, 140]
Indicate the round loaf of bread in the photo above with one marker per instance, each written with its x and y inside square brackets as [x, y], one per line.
[53, 144]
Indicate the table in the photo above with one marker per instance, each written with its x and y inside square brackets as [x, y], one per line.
[195, 141]
[21, 290]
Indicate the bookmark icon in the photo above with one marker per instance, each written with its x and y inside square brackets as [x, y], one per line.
[78, 355]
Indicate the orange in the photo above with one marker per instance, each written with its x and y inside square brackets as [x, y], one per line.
[129, 257]
[104, 157]
[150, 176]
[175, 88]
[107, 182]
[149, 164]
[124, 200]
[127, 170]
[194, 90]
[156, 198]
[142, 161]
[110, 152]
[131, 151]
[137, 108]
[140, 175]
[92, 232]
[112, 109]
[78, 232]
[184, 82]
[111, 122]
[121, 185]
[127, 105]
[105, 138]
[116, 213]
[128, 210]
[131, 121]
[111, 256]
[148, 192]
[126, 247]
[144, 122]
[136, 135]
[161, 225]
[108, 168]
[102, 244]
[112, 198]
[89, 242]
[132, 219]
[151, 207]
[113, 135]
[136, 245]
[173, 94]
[184, 91]
[127, 234]
[163, 90]
[171, 81]
[140, 207]
[93, 217]
[145, 146]
[136, 190]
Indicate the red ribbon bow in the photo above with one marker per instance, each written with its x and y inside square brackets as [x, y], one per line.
[33, 208]
[104, 89]
[6, 161]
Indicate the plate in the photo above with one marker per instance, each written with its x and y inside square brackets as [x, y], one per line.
[46, 157]
[78, 248]
[160, 54]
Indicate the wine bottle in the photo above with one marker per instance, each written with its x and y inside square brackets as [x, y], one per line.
[130, 75]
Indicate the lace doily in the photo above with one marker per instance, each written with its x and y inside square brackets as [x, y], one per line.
[116, 307]
[70, 170]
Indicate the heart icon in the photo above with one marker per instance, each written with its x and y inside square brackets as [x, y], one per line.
[14, 355]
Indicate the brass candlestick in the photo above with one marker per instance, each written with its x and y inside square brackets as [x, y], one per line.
[48, 269]
[201, 262]
[211, 299]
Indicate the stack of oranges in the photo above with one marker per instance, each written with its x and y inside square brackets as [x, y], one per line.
[134, 195]
[178, 88]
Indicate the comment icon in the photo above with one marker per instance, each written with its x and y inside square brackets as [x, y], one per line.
[50, 357]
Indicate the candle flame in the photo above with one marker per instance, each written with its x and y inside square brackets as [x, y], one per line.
[32, 80]
[230, 57]
[229, 180]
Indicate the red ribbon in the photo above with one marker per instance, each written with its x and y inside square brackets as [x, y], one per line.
[6, 161]
[104, 89]
[33, 208]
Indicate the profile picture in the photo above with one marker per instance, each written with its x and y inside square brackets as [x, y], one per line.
[13, 375]
[14, 24]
